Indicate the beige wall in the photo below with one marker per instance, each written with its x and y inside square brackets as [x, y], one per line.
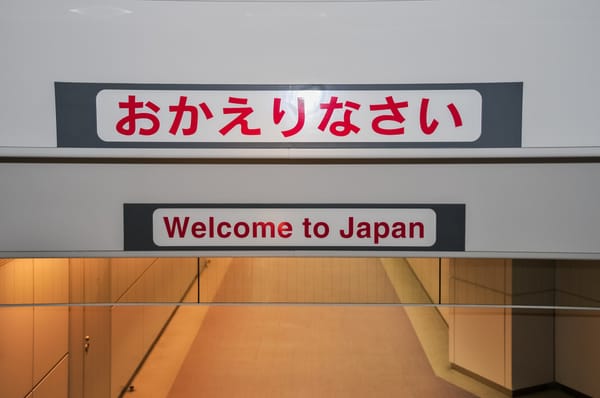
[434, 275]
[513, 348]
[135, 328]
[478, 335]
[519, 348]
[577, 332]
[34, 340]
[40, 346]
[210, 281]
[427, 271]
[120, 334]
[532, 330]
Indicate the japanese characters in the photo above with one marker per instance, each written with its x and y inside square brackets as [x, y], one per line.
[289, 116]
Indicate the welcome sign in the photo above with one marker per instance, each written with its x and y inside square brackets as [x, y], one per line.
[98, 115]
[439, 227]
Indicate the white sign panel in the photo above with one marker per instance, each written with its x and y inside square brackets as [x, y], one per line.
[295, 227]
[424, 227]
[274, 116]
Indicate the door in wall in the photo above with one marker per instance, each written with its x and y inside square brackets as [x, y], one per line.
[90, 328]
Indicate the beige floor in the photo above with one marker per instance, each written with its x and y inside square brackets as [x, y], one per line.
[158, 373]
[308, 351]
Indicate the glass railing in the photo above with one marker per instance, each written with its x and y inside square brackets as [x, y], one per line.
[511, 283]
[100, 327]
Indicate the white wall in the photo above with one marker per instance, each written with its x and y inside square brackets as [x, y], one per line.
[543, 43]
[530, 223]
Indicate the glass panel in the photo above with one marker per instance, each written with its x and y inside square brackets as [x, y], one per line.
[170, 327]
[296, 280]
[516, 283]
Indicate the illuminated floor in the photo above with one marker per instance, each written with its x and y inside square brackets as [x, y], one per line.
[308, 351]
[288, 351]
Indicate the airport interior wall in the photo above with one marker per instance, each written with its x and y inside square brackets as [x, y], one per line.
[513, 348]
[42, 346]
[532, 198]
[518, 348]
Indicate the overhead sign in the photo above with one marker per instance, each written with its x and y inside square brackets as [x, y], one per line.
[439, 227]
[97, 115]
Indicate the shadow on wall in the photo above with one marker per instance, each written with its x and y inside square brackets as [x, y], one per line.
[73, 351]
[44, 350]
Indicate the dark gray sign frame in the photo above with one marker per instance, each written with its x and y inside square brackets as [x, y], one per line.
[450, 227]
[501, 122]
